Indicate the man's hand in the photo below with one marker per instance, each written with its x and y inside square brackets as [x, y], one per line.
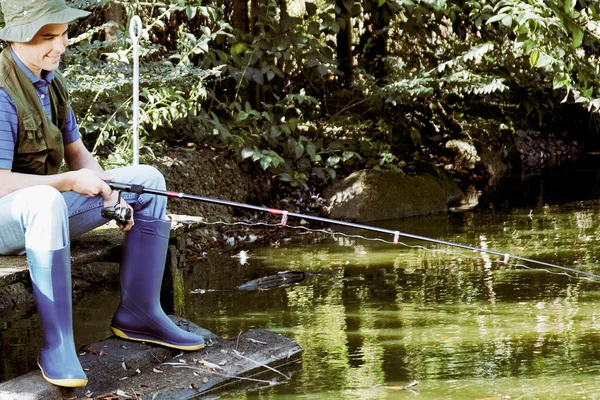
[131, 222]
[93, 183]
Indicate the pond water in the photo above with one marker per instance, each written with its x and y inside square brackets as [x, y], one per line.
[374, 317]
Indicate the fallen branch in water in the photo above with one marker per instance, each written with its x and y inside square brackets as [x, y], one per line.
[242, 378]
[237, 353]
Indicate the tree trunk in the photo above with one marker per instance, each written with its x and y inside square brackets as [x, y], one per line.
[373, 42]
[115, 13]
[344, 40]
[240, 15]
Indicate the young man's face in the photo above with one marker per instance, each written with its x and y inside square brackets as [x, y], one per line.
[44, 50]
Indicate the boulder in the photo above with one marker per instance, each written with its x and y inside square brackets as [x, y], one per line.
[464, 154]
[371, 195]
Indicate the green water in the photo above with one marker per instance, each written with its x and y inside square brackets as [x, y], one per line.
[375, 316]
[372, 317]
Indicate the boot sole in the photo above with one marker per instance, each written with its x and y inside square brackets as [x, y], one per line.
[69, 382]
[123, 335]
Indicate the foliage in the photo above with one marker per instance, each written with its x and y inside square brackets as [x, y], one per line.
[273, 92]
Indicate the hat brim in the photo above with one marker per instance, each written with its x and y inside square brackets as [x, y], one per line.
[24, 33]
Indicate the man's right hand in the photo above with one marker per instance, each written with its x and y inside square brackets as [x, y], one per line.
[91, 183]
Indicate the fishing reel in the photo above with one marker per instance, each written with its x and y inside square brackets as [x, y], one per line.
[118, 212]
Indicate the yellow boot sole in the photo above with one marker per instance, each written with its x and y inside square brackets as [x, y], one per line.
[123, 335]
[70, 383]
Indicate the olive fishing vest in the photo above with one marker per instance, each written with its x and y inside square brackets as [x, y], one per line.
[39, 148]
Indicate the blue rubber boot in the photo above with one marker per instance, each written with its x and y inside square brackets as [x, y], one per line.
[140, 316]
[50, 272]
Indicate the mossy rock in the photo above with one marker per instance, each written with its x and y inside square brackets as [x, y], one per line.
[371, 195]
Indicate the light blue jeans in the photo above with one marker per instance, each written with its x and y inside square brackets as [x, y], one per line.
[41, 218]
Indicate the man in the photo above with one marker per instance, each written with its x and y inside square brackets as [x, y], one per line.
[41, 208]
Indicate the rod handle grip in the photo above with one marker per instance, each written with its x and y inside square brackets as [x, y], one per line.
[126, 187]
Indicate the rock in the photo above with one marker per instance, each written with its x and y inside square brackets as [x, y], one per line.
[494, 165]
[136, 369]
[371, 195]
[465, 154]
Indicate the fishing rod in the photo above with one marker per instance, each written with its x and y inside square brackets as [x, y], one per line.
[139, 189]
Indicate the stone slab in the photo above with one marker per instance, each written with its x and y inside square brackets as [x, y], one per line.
[138, 370]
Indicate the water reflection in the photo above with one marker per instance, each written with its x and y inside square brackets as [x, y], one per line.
[464, 324]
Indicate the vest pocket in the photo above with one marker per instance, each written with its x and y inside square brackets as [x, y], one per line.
[32, 139]
[32, 149]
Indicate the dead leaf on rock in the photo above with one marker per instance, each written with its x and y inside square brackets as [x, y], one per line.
[123, 394]
[111, 396]
[256, 341]
[208, 364]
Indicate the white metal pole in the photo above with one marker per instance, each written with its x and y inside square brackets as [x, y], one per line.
[135, 31]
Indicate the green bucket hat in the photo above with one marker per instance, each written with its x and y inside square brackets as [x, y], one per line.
[24, 18]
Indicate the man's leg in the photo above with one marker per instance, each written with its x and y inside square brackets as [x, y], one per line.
[35, 220]
[139, 315]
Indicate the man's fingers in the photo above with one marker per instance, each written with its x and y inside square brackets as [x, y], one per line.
[105, 190]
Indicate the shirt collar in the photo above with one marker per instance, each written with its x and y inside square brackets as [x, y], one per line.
[47, 76]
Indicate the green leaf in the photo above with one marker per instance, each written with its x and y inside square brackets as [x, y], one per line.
[285, 177]
[296, 147]
[293, 123]
[311, 150]
[577, 35]
[333, 160]
[247, 153]
[544, 60]
[191, 12]
[275, 132]
[242, 115]
[438, 5]
[496, 18]
[534, 57]
[265, 162]
[568, 6]
[239, 48]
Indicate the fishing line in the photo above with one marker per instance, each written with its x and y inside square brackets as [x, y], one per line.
[395, 233]
[411, 246]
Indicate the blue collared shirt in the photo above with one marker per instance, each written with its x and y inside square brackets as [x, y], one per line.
[9, 122]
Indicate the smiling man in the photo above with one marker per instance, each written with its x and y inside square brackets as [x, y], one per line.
[41, 207]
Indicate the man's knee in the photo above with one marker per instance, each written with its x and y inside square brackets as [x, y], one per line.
[148, 176]
[44, 199]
